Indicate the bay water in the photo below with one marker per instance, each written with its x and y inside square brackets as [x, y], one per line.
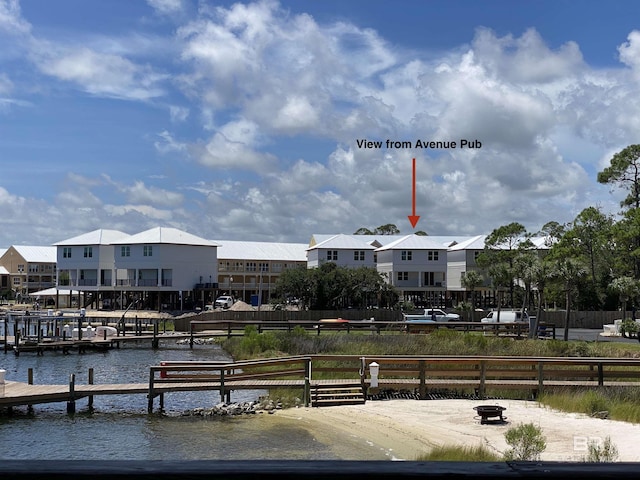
[119, 426]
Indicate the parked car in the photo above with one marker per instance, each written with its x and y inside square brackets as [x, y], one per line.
[506, 316]
[224, 301]
[432, 314]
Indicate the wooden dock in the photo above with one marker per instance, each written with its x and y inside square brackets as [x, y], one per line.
[66, 346]
[420, 373]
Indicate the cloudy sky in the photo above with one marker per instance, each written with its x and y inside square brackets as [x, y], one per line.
[245, 121]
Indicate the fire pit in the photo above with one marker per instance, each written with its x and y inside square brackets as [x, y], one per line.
[488, 412]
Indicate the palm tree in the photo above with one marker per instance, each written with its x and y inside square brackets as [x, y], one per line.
[569, 271]
[470, 281]
[525, 267]
[544, 273]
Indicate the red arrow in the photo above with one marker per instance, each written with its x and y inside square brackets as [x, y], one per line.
[413, 218]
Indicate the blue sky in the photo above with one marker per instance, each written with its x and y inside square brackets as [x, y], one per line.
[240, 120]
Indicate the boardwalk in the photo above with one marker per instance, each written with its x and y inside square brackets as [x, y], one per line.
[418, 373]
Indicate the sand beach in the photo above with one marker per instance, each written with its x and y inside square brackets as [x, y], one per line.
[404, 429]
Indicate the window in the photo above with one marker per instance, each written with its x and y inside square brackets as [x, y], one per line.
[223, 266]
[432, 255]
[125, 251]
[147, 251]
[88, 252]
[238, 266]
[407, 255]
[264, 267]
[332, 255]
[358, 255]
[403, 276]
[66, 252]
[276, 267]
[251, 266]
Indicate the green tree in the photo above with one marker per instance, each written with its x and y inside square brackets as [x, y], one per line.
[502, 246]
[589, 239]
[544, 274]
[624, 172]
[552, 232]
[471, 280]
[388, 229]
[626, 241]
[525, 267]
[335, 287]
[295, 283]
[627, 288]
[569, 272]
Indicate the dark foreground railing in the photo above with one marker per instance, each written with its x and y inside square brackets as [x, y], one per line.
[308, 470]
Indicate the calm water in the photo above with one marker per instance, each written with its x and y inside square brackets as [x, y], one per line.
[120, 428]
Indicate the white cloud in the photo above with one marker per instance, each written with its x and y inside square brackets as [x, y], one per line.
[11, 20]
[630, 51]
[261, 81]
[166, 7]
[103, 74]
[178, 114]
[235, 146]
[167, 144]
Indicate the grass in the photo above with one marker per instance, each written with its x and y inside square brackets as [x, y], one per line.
[455, 453]
[614, 403]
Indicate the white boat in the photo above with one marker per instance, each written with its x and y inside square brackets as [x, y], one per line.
[102, 330]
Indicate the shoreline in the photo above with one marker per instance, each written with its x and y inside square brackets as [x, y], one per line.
[406, 429]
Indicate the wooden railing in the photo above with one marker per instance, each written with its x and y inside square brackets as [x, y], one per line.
[421, 373]
[230, 328]
[490, 372]
[227, 376]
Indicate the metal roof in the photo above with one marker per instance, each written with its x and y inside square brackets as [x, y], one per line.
[415, 242]
[477, 243]
[241, 250]
[166, 235]
[97, 237]
[342, 241]
[37, 254]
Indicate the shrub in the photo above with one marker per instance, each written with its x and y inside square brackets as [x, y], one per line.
[526, 442]
[629, 327]
[602, 452]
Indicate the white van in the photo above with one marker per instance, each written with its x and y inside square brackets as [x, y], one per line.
[506, 316]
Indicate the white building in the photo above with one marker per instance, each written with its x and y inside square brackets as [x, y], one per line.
[160, 267]
[344, 250]
[417, 266]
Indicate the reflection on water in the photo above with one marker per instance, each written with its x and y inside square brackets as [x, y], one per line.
[119, 428]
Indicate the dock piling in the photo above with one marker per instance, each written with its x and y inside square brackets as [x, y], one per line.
[90, 404]
[71, 403]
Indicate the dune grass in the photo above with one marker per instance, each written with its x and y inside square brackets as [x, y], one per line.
[457, 453]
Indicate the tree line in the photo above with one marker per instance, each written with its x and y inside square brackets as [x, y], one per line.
[590, 263]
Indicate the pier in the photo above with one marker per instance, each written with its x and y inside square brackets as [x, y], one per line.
[420, 374]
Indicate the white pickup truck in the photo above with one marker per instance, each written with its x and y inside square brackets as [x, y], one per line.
[429, 315]
[224, 301]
